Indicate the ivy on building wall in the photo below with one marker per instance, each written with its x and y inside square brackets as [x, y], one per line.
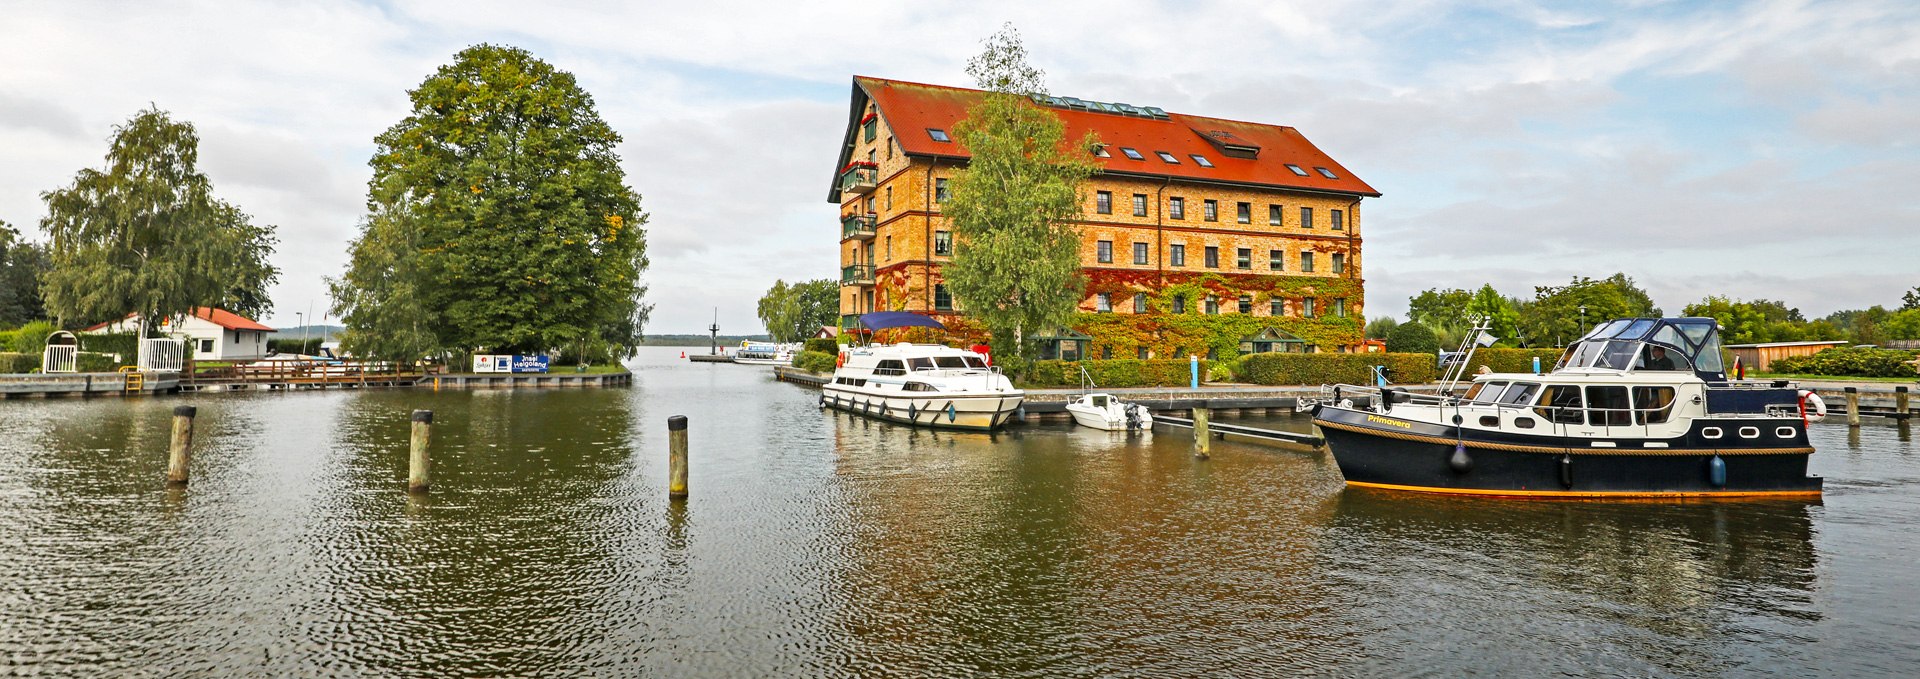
[1168, 334]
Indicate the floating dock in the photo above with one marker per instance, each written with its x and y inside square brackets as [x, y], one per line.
[88, 384]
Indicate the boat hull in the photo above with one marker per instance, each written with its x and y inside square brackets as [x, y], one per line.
[974, 412]
[1384, 452]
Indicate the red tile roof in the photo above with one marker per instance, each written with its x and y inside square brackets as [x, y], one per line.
[910, 108]
[221, 317]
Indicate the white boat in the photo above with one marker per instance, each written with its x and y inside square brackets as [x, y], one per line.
[764, 353]
[1104, 412]
[929, 385]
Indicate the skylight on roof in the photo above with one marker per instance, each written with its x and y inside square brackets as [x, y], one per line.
[1324, 172]
[1132, 153]
[1167, 157]
[1200, 159]
[1101, 151]
[1296, 169]
[938, 135]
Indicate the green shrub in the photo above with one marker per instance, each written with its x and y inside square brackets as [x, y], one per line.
[7, 339]
[90, 362]
[1278, 368]
[1115, 372]
[825, 345]
[816, 361]
[126, 344]
[1513, 360]
[32, 337]
[1412, 338]
[1849, 361]
[14, 363]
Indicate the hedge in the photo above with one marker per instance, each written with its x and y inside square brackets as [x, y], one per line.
[816, 361]
[825, 345]
[1116, 372]
[1282, 368]
[90, 362]
[126, 344]
[1513, 360]
[1849, 361]
[12, 363]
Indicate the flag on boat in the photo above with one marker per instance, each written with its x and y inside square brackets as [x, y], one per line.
[1483, 339]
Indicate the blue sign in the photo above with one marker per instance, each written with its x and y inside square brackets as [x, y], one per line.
[530, 364]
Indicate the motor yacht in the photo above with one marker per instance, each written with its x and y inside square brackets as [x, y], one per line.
[764, 353]
[928, 385]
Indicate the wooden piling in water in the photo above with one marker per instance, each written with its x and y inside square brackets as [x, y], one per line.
[180, 450]
[677, 456]
[1202, 438]
[418, 464]
[1900, 409]
[1853, 407]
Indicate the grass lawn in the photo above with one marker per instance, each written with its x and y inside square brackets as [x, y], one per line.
[607, 369]
[1836, 378]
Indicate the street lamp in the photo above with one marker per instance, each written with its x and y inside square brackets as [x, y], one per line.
[303, 331]
[1583, 319]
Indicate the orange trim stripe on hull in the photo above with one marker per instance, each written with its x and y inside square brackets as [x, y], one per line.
[1590, 494]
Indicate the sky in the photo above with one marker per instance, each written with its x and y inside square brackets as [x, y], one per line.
[1753, 149]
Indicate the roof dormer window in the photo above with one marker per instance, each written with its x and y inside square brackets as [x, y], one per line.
[1132, 154]
[1200, 160]
[1100, 150]
[1324, 172]
[1296, 169]
[1167, 157]
[938, 135]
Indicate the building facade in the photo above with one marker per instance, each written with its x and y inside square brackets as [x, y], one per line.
[1198, 234]
[211, 334]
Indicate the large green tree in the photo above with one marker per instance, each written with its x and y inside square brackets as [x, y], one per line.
[499, 219]
[146, 234]
[21, 265]
[1016, 263]
[1502, 319]
[792, 313]
[1555, 318]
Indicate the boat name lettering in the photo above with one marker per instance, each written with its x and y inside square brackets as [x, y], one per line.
[1389, 422]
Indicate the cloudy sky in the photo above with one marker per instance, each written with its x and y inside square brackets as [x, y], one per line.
[1759, 149]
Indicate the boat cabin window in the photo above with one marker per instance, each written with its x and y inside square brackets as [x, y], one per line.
[1519, 394]
[1652, 405]
[1561, 403]
[890, 366]
[1666, 358]
[954, 362]
[1608, 406]
[919, 363]
[917, 386]
[1485, 392]
[1098, 401]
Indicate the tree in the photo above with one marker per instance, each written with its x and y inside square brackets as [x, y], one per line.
[498, 218]
[146, 234]
[1911, 299]
[1903, 324]
[1554, 317]
[1501, 318]
[21, 265]
[1016, 263]
[1380, 327]
[1413, 338]
[792, 313]
[1740, 322]
[1440, 310]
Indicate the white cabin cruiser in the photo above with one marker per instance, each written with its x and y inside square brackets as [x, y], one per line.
[1107, 413]
[928, 385]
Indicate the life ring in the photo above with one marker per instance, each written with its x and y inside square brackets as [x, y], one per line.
[1818, 411]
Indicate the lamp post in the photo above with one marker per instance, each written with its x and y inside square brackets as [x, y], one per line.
[1583, 319]
[303, 331]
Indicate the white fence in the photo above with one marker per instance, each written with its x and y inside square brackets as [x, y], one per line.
[60, 358]
[162, 354]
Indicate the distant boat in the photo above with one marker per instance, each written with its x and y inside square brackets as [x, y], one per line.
[764, 353]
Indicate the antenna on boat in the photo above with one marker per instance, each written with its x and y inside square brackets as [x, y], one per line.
[1475, 338]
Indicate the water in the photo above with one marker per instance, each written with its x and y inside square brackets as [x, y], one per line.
[816, 543]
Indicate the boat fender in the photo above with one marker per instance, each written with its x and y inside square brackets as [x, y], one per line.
[1812, 407]
[913, 410]
[1459, 462]
[1022, 413]
[1566, 471]
[1386, 401]
[1717, 472]
[823, 400]
[950, 412]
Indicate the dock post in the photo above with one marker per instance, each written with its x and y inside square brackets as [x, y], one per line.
[1202, 438]
[180, 450]
[1900, 409]
[1853, 407]
[418, 465]
[677, 456]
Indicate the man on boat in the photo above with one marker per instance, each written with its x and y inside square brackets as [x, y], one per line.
[1657, 359]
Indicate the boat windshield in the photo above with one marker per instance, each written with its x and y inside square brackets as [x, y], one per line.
[919, 363]
[1628, 344]
[954, 362]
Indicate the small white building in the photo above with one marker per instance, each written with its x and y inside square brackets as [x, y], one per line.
[211, 334]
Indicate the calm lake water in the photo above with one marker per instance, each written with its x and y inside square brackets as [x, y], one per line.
[815, 543]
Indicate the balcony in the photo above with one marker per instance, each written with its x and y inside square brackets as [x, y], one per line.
[860, 179]
[858, 274]
[856, 227]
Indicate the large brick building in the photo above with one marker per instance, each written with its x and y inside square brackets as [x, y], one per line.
[1199, 234]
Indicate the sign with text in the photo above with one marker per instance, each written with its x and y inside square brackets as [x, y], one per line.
[530, 364]
[492, 363]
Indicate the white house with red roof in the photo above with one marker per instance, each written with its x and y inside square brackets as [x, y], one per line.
[211, 334]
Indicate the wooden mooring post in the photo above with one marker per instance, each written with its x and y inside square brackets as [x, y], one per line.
[1202, 438]
[1900, 409]
[1853, 407]
[419, 466]
[677, 456]
[180, 449]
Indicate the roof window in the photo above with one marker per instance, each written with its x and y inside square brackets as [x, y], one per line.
[1101, 151]
[1324, 172]
[940, 135]
[1296, 169]
[1132, 153]
[1167, 157]
[1200, 160]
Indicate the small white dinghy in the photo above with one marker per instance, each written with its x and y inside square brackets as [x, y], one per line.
[1104, 412]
